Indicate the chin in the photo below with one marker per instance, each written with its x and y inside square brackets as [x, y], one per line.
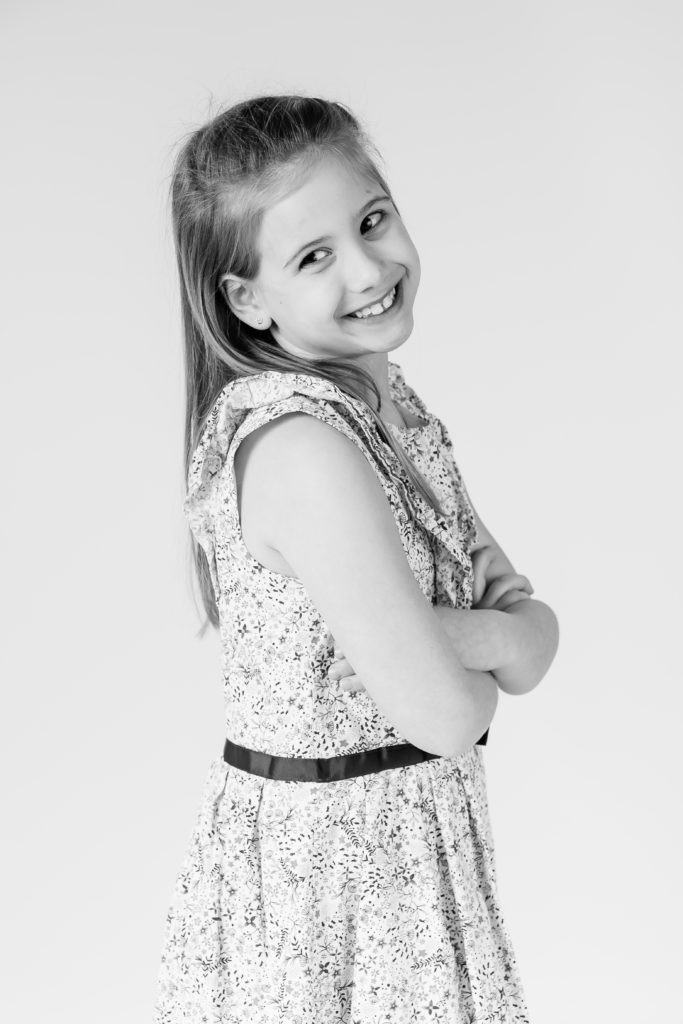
[405, 333]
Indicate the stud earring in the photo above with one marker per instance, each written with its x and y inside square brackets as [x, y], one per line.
[259, 320]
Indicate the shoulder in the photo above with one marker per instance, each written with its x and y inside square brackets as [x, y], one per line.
[299, 448]
[303, 473]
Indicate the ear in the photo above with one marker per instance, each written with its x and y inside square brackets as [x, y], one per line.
[243, 300]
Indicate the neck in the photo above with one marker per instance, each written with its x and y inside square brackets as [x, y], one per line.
[377, 364]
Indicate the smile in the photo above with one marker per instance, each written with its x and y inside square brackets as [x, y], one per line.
[377, 308]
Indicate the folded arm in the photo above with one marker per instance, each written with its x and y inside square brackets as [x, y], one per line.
[517, 645]
[350, 557]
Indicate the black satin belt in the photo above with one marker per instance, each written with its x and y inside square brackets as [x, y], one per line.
[326, 769]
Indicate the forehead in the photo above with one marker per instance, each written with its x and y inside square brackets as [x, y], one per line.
[323, 195]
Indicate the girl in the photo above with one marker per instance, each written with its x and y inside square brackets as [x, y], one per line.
[341, 868]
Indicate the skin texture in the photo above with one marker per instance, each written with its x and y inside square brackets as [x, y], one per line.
[305, 303]
[517, 647]
[331, 246]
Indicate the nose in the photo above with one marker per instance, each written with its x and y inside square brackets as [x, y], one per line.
[364, 269]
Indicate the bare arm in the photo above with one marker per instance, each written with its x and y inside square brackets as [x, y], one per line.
[517, 645]
[481, 640]
[349, 556]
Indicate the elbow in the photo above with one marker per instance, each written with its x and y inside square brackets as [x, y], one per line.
[546, 655]
[526, 673]
[472, 727]
[518, 685]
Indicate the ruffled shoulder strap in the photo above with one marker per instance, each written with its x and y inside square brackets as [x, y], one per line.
[410, 397]
[403, 390]
[247, 402]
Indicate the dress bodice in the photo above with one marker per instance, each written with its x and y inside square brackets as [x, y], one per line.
[276, 646]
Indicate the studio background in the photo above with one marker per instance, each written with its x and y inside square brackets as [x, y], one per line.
[535, 152]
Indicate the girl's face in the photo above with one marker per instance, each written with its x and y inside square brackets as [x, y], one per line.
[330, 249]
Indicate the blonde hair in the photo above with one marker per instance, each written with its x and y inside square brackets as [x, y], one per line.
[225, 176]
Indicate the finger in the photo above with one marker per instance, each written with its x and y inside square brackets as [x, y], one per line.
[497, 588]
[493, 593]
[339, 669]
[500, 586]
[510, 598]
[352, 683]
[481, 559]
[520, 591]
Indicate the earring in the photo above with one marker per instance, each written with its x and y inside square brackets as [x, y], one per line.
[259, 320]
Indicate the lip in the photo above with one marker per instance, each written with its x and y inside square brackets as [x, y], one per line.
[397, 302]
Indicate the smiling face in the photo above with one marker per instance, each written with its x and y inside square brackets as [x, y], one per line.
[334, 246]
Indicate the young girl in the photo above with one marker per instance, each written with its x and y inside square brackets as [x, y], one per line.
[341, 868]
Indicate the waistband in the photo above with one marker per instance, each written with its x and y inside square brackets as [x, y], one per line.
[326, 769]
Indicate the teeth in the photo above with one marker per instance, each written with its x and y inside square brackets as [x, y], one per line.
[377, 307]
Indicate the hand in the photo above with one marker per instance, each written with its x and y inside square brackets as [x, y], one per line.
[506, 597]
[496, 585]
[342, 669]
[496, 592]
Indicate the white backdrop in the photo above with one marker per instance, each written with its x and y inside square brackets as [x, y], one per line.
[535, 152]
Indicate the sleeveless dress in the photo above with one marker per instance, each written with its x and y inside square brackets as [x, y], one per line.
[365, 900]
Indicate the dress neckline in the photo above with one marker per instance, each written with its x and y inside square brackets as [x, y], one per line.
[407, 429]
[401, 399]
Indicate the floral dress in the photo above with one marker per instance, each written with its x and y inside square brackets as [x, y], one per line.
[366, 900]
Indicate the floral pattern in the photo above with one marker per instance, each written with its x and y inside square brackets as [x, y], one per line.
[369, 900]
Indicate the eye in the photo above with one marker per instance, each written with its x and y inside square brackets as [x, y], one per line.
[308, 256]
[381, 213]
[307, 261]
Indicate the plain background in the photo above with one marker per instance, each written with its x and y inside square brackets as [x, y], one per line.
[535, 151]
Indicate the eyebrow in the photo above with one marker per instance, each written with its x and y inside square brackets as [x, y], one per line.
[317, 241]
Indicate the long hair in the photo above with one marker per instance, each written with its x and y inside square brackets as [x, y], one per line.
[224, 177]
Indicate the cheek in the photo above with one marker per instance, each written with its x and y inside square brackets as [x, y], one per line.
[410, 247]
[408, 252]
[416, 268]
[322, 297]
